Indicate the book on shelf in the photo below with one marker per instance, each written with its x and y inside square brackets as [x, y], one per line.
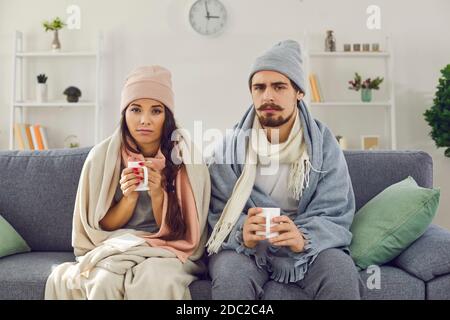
[33, 137]
[319, 89]
[18, 133]
[30, 136]
[43, 133]
[311, 86]
[315, 89]
[37, 133]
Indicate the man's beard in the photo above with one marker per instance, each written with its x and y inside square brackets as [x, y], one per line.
[272, 122]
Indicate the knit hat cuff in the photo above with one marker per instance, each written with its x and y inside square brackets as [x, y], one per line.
[288, 74]
[147, 89]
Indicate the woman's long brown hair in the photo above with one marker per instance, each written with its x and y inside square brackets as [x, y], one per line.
[174, 219]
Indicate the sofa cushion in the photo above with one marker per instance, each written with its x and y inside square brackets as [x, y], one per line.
[438, 288]
[23, 276]
[10, 241]
[391, 221]
[37, 194]
[200, 290]
[274, 290]
[394, 284]
[429, 256]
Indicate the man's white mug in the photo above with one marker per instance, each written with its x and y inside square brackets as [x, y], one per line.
[269, 213]
[143, 186]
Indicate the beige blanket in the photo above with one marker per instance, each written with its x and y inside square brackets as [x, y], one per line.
[142, 272]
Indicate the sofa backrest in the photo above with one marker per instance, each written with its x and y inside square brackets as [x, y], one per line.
[373, 171]
[38, 188]
[37, 194]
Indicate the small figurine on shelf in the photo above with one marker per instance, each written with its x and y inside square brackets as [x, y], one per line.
[72, 93]
[375, 47]
[55, 25]
[370, 142]
[71, 141]
[366, 86]
[41, 88]
[356, 47]
[342, 142]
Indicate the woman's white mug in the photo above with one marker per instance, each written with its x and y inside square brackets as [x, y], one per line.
[269, 213]
[143, 186]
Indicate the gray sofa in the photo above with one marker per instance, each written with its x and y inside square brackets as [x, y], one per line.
[37, 195]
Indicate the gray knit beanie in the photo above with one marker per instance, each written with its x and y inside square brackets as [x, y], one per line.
[285, 57]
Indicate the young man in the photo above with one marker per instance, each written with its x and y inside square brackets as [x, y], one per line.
[310, 184]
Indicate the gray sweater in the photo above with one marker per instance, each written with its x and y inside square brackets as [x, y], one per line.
[142, 218]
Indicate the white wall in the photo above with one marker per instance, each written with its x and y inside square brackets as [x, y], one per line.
[210, 75]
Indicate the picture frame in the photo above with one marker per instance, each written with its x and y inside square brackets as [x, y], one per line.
[370, 142]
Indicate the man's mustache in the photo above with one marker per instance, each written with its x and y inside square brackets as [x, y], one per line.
[272, 106]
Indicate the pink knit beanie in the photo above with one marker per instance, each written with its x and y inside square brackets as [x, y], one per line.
[151, 82]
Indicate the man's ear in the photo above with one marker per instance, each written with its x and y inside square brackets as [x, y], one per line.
[300, 95]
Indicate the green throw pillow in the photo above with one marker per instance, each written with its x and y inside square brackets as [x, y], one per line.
[10, 241]
[391, 221]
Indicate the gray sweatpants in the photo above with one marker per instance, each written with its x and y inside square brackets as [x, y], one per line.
[331, 276]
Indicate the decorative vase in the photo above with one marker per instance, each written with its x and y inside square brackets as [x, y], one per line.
[366, 95]
[56, 45]
[330, 42]
[41, 92]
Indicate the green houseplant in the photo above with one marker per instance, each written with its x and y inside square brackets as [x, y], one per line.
[438, 116]
[55, 25]
[366, 87]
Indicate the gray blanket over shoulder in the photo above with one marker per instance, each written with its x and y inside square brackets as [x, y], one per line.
[325, 211]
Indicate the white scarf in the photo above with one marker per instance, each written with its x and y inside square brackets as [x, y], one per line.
[292, 151]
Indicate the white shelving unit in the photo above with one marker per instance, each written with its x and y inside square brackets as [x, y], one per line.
[334, 106]
[21, 105]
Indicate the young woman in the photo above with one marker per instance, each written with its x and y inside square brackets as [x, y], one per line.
[155, 237]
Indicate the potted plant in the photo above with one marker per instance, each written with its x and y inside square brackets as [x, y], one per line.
[438, 116]
[54, 26]
[41, 88]
[366, 86]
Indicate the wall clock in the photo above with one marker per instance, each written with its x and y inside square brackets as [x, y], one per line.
[208, 17]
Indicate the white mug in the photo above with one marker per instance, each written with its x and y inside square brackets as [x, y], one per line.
[269, 213]
[143, 186]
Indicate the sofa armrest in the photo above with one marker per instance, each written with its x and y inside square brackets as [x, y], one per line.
[427, 257]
